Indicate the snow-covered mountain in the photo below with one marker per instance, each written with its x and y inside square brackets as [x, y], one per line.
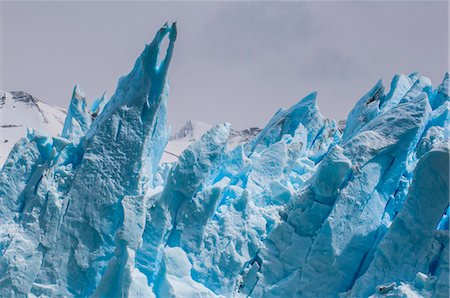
[307, 208]
[193, 130]
[19, 110]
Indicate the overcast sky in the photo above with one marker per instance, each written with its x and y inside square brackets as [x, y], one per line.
[237, 62]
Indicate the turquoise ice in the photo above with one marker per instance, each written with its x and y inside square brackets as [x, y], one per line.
[302, 210]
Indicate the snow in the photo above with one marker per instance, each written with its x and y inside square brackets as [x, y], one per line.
[299, 210]
[19, 110]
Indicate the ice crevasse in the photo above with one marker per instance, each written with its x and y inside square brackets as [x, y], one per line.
[302, 210]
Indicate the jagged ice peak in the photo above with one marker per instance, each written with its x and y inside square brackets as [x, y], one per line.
[304, 208]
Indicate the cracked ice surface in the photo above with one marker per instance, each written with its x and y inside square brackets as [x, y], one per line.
[300, 211]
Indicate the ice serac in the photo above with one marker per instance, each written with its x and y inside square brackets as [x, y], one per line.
[114, 148]
[414, 229]
[168, 219]
[104, 172]
[378, 156]
[299, 211]
[287, 121]
[98, 105]
[339, 218]
[365, 110]
[441, 94]
[253, 187]
[78, 120]
[25, 163]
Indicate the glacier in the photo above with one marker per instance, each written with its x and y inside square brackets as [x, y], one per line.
[304, 209]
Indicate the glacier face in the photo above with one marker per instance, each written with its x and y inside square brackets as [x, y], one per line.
[301, 210]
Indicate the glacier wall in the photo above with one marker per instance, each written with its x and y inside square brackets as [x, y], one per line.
[302, 210]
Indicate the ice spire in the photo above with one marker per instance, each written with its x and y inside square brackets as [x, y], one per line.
[95, 210]
[78, 120]
[98, 105]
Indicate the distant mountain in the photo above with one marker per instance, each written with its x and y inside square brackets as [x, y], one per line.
[242, 136]
[19, 110]
[193, 130]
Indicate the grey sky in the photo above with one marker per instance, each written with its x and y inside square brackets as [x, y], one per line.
[237, 62]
